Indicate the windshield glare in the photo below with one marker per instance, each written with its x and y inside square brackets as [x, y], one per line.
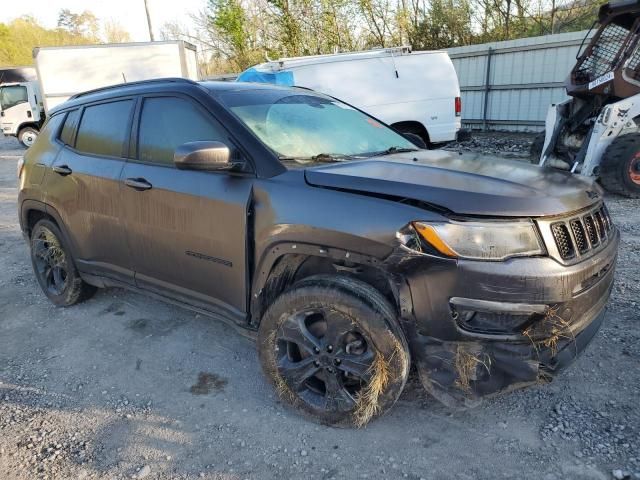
[302, 126]
[12, 95]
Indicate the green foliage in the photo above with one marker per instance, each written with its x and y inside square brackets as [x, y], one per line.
[19, 37]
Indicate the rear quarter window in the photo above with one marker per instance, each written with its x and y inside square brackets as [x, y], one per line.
[104, 128]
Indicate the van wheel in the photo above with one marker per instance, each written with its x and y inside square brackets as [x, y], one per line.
[54, 267]
[333, 349]
[414, 129]
[620, 166]
[27, 136]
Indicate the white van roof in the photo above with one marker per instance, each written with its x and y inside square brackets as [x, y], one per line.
[293, 62]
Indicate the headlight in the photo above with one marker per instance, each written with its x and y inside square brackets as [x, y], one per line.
[482, 240]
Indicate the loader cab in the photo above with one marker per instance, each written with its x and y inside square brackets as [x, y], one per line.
[610, 64]
[21, 112]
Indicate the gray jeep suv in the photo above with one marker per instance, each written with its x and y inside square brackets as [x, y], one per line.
[344, 248]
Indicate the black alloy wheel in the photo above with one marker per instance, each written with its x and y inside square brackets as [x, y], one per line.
[333, 348]
[54, 267]
[324, 358]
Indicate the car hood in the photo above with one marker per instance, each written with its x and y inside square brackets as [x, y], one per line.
[490, 186]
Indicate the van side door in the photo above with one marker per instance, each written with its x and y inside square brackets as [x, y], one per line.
[187, 229]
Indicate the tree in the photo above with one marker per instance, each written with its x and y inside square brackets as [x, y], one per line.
[113, 32]
[83, 24]
[19, 37]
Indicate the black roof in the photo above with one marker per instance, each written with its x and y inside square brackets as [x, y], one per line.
[157, 84]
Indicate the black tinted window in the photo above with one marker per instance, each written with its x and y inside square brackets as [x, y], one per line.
[66, 135]
[103, 128]
[168, 122]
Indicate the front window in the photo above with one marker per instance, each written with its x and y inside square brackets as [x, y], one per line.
[303, 128]
[12, 95]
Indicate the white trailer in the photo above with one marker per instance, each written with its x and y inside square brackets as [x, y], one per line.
[65, 71]
[415, 92]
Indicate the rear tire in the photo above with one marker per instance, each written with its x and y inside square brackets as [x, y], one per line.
[54, 268]
[415, 129]
[27, 136]
[620, 166]
[333, 349]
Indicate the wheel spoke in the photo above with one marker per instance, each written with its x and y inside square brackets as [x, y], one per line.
[58, 279]
[295, 331]
[48, 275]
[357, 365]
[337, 326]
[336, 397]
[296, 373]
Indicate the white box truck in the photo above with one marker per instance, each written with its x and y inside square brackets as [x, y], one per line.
[65, 71]
[415, 92]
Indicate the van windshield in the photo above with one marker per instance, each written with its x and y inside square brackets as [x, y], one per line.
[12, 95]
[306, 128]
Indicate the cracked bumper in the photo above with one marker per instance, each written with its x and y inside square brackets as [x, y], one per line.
[480, 328]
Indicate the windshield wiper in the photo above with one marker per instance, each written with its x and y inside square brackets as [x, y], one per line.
[321, 157]
[391, 150]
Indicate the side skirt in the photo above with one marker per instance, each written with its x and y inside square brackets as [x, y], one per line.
[235, 321]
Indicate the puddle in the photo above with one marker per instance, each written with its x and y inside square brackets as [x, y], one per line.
[208, 382]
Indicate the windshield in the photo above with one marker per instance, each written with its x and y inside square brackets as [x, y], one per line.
[12, 95]
[305, 127]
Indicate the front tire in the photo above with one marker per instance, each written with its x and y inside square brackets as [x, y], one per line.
[54, 268]
[28, 136]
[333, 349]
[620, 166]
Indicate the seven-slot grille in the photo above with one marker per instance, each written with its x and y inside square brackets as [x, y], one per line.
[581, 234]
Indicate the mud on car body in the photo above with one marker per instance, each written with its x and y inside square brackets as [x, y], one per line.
[346, 250]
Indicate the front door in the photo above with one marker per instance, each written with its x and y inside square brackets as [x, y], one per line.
[186, 229]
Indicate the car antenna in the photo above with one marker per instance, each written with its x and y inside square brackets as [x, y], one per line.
[124, 78]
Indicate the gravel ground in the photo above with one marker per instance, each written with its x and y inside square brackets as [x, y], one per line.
[509, 145]
[124, 386]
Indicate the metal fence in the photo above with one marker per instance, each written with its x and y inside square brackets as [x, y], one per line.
[510, 85]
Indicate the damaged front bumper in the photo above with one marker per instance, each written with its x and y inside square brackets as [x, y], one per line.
[480, 328]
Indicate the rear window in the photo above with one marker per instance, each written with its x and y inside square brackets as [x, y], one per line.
[66, 135]
[104, 128]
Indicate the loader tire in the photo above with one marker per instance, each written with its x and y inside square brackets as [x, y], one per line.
[620, 166]
[536, 147]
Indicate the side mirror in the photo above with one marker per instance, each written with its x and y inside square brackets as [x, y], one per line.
[415, 139]
[208, 156]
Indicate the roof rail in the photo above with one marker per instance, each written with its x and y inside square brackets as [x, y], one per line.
[128, 84]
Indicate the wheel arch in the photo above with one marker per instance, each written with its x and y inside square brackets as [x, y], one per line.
[413, 126]
[286, 263]
[24, 125]
[32, 211]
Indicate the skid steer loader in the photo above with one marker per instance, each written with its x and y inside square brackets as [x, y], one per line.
[597, 131]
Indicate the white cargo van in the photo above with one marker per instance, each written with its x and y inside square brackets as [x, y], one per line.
[65, 71]
[415, 92]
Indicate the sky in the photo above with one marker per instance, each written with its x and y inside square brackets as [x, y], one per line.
[129, 13]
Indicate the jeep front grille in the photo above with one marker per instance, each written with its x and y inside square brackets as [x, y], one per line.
[578, 233]
[563, 240]
[578, 236]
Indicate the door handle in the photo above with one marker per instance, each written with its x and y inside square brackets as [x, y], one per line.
[62, 170]
[139, 184]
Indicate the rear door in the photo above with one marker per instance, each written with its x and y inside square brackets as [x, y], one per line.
[83, 185]
[186, 229]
